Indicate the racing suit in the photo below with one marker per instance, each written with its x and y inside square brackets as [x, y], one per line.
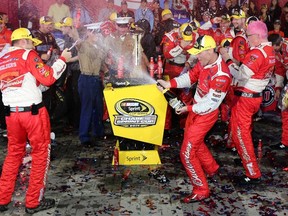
[5, 37]
[280, 71]
[175, 59]
[213, 83]
[237, 52]
[252, 76]
[21, 74]
[219, 35]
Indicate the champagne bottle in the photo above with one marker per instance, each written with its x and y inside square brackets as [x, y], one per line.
[159, 66]
[171, 98]
[151, 67]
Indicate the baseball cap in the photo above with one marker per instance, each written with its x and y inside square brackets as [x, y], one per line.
[225, 17]
[96, 27]
[66, 21]
[45, 20]
[250, 19]
[113, 16]
[24, 33]
[186, 30]
[202, 43]
[123, 2]
[238, 13]
[225, 42]
[122, 21]
[195, 25]
[277, 22]
[166, 11]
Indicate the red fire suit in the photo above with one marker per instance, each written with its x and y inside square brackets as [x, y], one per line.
[237, 52]
[175, 58]
[252, 76]
[5, 37]
[21, 74]
[280, 72]
[218, 35]
[213, 83]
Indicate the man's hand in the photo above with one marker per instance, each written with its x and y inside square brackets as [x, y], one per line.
[66, 54]
[277, 94]
[163, 84]
[45, 57]
[181, 110]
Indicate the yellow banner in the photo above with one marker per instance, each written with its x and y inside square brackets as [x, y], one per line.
[137, 112]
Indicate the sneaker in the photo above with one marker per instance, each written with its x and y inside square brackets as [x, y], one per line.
[245, 181]
[44, 204]
[279, 146]
[4, 207]
[194, 198]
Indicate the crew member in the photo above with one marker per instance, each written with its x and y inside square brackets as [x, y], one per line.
[22, 72]
[213, 80]
[175, 46]
[252, 76]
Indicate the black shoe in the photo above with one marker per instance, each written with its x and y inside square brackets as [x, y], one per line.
[238, 162]
[87, 144]
[246, 181]
[4, 207]
[44, 204]
[279, 146]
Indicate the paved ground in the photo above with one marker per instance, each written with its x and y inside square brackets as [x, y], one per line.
[83, 181]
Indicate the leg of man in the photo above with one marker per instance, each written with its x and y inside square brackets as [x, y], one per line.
[16, 150]
[193, 148]
[84, 86]
[97, 93]
[38, 128]
[242, 113]
[284, 139]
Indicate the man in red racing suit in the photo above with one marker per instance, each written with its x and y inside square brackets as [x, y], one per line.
[21, 73]
[252, 76]
[175, 46]
[213, 78]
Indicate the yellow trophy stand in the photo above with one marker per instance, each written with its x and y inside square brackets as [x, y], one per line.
[137, 113]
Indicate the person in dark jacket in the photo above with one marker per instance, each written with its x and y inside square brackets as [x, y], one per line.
[147, 41]
[28, 14]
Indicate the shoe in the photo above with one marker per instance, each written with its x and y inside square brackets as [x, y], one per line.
[238, 162]
[4, 207]
[44, 204]
[86, 144]
[279, 146]
[245, 181]
[194, 198]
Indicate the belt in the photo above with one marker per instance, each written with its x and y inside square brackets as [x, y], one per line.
[176, 64]
[248, 95]
[26, 109]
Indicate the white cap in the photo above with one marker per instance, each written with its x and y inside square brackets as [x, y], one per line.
[93, 26]
[122, 20]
